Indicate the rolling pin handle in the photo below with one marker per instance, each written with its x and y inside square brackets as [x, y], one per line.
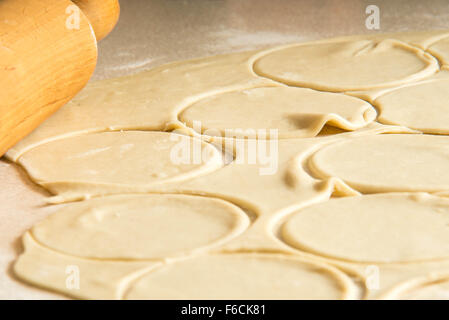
[44, 62]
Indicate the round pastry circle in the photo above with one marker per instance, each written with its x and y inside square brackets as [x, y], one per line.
[347, 65]
[422, 107]
[440, 49]
[132, 158]
[242, 276]
[140, 226]
[294, 112]
[385, 163]
[384, 228]
[432, 288]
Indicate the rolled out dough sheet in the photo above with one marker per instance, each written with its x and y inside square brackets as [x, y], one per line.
[390, 227]
[385, 163]
[352, 186]
[238, 277]
[422, 107]
[432, 289]
[129, 161]
[294, 112]
[173, 225]
[347, 65]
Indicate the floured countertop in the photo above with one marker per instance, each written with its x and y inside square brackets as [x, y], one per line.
[151, 33]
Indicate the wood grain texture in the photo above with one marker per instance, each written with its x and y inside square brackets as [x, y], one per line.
[44, 62]
[102, 14]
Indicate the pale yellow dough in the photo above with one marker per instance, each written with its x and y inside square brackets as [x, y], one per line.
[393, 227]
[239, 277]
[145, 101]
[156, 226]
[294, 112]
[132, 160]
[98, 279]
[350, 113]
[424, 107]
[440, 49]
[347, 65]
[385, 163]
[433, 290]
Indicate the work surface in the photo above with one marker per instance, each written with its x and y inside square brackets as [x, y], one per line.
[151, 33]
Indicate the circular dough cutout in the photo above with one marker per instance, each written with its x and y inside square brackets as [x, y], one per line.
[242, 276]
[430, 290]
[423, 107]
[384, 163]
[347, 65]
[132, 158]
[294, 112]
[440, 49]
[140, 226]
[384, 228]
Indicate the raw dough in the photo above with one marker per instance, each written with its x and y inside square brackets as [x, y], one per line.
[420, 39]
[140, 226]
[144, 101]
[424, 107]
[347, 65]
[385, 163]
[374, 228]
[440, 49]
[98, 279]
[433, 290]
[238, 277]
[187, 234]
[294, 112]
[127, 161]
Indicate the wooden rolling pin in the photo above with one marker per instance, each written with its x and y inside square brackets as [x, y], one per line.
[48, 52]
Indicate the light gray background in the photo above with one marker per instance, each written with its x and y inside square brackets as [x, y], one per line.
[152, 32]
